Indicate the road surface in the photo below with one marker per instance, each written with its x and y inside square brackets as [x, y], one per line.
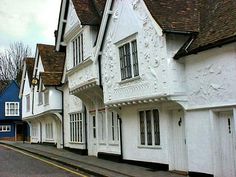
[16, 163]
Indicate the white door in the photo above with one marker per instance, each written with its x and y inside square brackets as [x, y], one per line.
[179, 142]
[226, 153]
[93, 135]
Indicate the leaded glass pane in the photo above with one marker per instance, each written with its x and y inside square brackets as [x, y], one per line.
[156, 126]
[142, 128]
[149, 127]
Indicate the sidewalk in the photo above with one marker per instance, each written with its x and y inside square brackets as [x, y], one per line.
[89, 164]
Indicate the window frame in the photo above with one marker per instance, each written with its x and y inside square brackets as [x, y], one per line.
[77, 132]
[77, 49]
[49, 131]
[8, 110]
[6, 129]
[46, 97]
[133, 59]
[40, 98]
[145, 145]
[113, 128]
[28, 106]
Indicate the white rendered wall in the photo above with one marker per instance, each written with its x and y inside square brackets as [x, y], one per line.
[72, 104]
[131, 141]
[211, 77]
[133, 20]
[199, 141]
[26, 91]
[55, 101]
[87, 70]
[211, 84]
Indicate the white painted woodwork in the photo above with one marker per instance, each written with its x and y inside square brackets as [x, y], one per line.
[226, 145]
[179, 150]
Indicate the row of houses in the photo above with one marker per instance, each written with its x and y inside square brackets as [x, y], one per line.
[140, 81]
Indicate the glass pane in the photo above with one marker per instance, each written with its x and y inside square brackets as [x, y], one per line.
[135, 58]
[149, 127]
[112, 127]
[142, 128]
[156, 126]
[128, 62]
[94, 127]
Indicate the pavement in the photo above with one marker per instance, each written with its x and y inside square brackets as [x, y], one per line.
[89, 164]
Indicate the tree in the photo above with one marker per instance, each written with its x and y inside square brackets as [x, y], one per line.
[11, 60]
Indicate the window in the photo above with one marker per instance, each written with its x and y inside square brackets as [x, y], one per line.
[149, 127]
[46, 97]
[102, 126]
[28, 103]
[12, 109]
[129, 60]
[49, 131]
[76, 128]
[114, 127]
[5, 128]
[40, 98]
[77, 46]
[34, 131]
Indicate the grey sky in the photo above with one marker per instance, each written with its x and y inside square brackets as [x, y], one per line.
[29, 21]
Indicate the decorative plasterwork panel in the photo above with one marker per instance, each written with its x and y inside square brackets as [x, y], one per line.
[151, 53]
[72, 18]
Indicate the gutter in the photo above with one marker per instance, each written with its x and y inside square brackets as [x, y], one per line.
[121, 139]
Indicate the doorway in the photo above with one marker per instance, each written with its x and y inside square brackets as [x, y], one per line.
[225, 135]
[179, 150]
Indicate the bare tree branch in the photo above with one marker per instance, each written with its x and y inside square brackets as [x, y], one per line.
[11, 60]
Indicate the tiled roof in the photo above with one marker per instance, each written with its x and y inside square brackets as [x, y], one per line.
[3, 85]
[29, 67]
[217, 22]
[212, 21]
[53, 63]
[89, 11]
[175, 15]
[51, 78]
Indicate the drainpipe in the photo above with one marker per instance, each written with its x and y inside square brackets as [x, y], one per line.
[121, 140]
[62, 116]
[86, 128]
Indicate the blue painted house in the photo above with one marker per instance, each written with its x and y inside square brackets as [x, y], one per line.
[12, 128]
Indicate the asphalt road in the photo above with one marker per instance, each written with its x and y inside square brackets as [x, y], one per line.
[15, 163]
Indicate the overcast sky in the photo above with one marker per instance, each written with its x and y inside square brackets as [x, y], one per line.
[29, 21]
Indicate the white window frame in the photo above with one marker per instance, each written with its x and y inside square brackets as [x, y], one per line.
[102, 126]
[114, 127]
[46, 97]
[5, 128]
[27, 99]
[40, 98]
[16, 109]
[153, 145]
[77, 127]
[126, 75]
[34, 131]
[49, 131]
[77, 49]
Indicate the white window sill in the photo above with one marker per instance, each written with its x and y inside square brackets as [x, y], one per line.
[12, 115]
[149, 147]
[129, 80]
[81, 143]
[102, 143]
[113, 144]
[49, 140]
[80, 66]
